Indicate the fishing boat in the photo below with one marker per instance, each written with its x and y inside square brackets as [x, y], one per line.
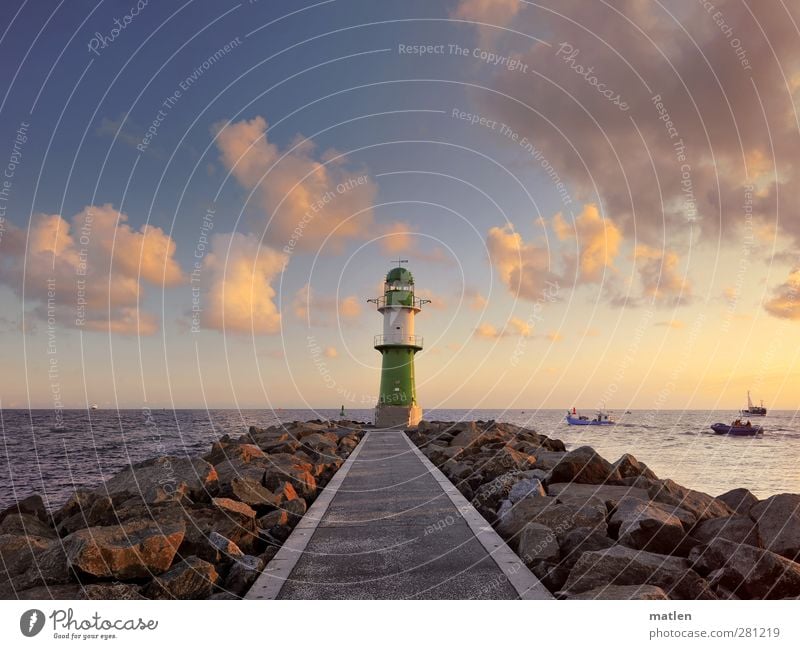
[737, 429]
[93, 406]
[600, 419]
[753, 411]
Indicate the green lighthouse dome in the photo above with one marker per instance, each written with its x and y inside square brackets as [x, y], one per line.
[399, 275]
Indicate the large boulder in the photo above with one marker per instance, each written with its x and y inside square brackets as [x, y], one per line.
[230, 522]
[503, 460]
[32, 506]
[18, 552]
[778, 521]
[129, 551]
[537, 542]
[164, 478]
[488, 496]
[698, 503]
[584, 465]
[643, 591]
[26, 525]
[579, 540]
[289, 468]
[640, 525]
[746, 571]
[251, 493]
[739, 500]
[609, 494]
[546, 460]
[739, 529]
[624, 566]
[559, 517]
[243, 573]
[629, 467]
[192, 578]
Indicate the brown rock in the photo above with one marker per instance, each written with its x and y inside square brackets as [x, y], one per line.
[129, 551]
[164, 478]
[243, 573]
[252, 493]
[629, 467]
[31, 506]
[642, 526]
[579, 540]
[537, 542]
[698, 503]
[192, 578]
[746, 571]
[228, 505]
[584, 465]
[273, 518]
[609, 494]
[18, 552]
[222, 451]
[26, 525]
[739, 500]
[778, 521]
[624, 566]
[739, 529]
[560, 518]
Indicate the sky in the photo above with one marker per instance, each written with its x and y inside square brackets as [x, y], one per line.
[598, 199]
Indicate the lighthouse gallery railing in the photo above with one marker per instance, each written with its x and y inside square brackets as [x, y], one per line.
[397, 339]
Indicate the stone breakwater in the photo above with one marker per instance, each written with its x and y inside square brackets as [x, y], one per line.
[174, 527]
[592, 529]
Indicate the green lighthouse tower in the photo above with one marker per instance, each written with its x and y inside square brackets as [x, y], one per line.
[397, 400]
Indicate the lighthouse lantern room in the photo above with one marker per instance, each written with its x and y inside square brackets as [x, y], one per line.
[397, 399]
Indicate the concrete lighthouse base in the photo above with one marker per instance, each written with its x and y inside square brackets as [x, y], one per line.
[397, 416]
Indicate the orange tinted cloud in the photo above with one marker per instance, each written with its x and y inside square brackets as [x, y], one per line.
[306, 199]
[523, 267]
[240, 297]
[309, 304]
[661, 275]
[598, 241]
[785, 300]
[92, 270]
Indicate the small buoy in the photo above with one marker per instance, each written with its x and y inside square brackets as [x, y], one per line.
[341, 414]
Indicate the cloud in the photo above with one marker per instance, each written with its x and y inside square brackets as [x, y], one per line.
[523, 267]
[397, 238]
[514, 327]
[661, 276]
[674, 169]
[554, 336]
[784, 302]
[598, 240]
[239, 273]
[330, 352]
[308, 304]
[89, 273]
[306, 199]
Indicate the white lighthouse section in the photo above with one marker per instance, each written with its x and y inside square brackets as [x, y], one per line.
[398, 324]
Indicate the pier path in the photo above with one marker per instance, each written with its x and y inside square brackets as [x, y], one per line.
[390, 525]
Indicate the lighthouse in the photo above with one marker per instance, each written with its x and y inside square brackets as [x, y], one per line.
[397, 399]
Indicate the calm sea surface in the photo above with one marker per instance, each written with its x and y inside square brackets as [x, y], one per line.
[37, 456]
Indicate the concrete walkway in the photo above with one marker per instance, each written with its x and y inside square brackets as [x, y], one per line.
[390, 525]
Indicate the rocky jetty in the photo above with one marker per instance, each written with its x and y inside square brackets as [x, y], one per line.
[174, 527]
[593, 529]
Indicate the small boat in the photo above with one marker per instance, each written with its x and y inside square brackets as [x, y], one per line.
[600, 419]
[753, 411]
[93, 406]
[737, 429]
